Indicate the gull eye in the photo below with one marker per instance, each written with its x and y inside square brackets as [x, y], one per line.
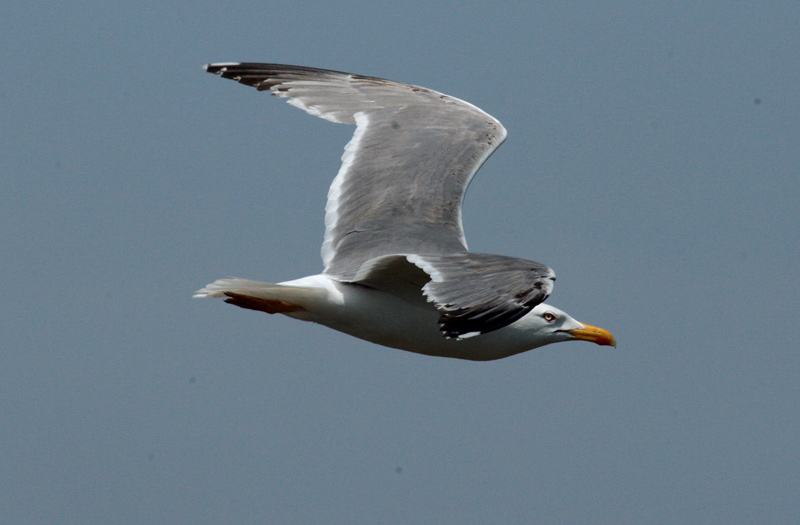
[549, 317]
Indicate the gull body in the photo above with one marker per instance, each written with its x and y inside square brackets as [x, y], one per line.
[404, 321]
[397, 269]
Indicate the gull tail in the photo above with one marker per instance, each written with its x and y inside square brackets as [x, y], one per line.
[255, 295]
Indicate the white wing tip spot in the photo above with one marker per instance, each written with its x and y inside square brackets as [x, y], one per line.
[221, 65]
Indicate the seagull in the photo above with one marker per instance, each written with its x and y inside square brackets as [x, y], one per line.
[397, 271]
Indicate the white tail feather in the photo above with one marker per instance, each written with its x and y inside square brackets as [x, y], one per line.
[236, 285]
[303, 296]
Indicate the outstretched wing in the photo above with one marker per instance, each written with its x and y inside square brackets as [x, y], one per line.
[475, 293]
[406, 169]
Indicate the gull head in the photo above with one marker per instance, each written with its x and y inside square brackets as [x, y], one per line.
[547, 324]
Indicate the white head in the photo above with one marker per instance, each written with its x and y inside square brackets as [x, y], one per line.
[547, 324]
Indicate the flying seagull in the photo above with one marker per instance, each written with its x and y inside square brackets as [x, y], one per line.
[397, 269]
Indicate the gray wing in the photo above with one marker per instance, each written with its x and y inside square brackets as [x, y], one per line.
[406, 169]
[475, 293]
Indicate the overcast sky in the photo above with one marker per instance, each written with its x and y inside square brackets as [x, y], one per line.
[653, 161]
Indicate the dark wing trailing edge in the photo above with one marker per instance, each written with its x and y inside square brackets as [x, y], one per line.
[475, 293]
[480, 293]
[332, 95]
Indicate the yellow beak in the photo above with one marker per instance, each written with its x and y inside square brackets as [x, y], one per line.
[595, 335]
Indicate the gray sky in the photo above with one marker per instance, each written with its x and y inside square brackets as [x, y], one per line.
[652, 161]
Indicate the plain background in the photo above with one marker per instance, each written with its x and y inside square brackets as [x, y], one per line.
[652, 161]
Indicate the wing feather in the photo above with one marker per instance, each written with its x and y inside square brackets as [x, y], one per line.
[405, 171]
[474, 292]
